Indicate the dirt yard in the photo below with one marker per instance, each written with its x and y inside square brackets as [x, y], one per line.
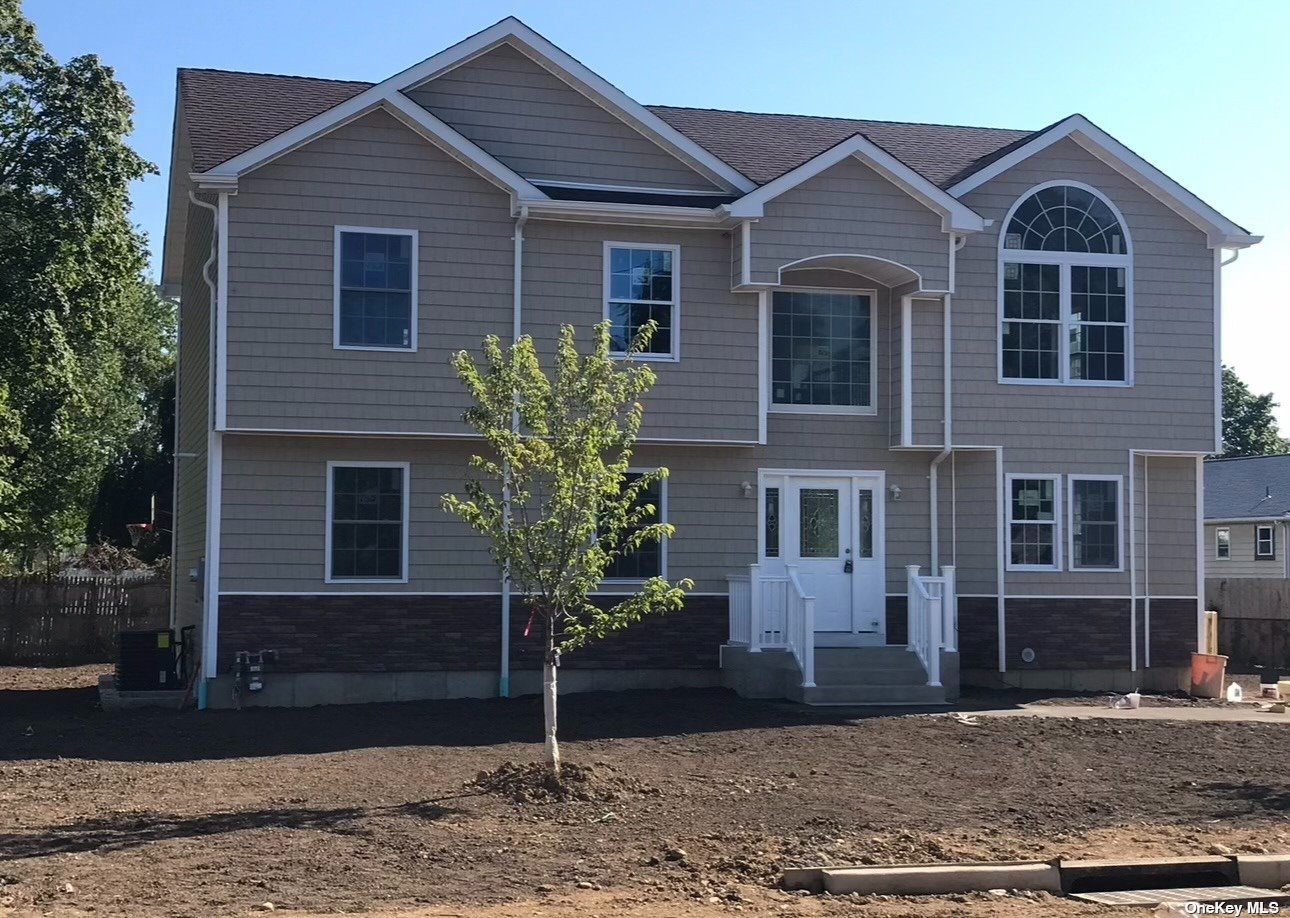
[700, 799]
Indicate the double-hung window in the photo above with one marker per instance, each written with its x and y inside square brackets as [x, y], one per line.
[642, 283]
[367, 521]
[1265, 543]
[1095, 523]
[1066, 297]
[1223, 544]
[821, 352]
[375, 289]
[648, 559]
[1034, 514]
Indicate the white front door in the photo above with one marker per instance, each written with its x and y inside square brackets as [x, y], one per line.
[829, 527]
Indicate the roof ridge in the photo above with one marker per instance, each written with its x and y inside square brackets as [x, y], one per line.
[1242, 458]
[739, 111]
[280, 76]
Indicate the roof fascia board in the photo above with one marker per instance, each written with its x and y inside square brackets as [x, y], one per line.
[955, 215]
[1219, 230]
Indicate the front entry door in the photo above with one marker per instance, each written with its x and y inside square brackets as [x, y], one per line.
[820, 546]
[832, 533]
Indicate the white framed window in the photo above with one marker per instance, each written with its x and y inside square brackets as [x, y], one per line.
[1034, 522]
[642, 281]
[375, 289]
[1065, 290]
[650, 559]
[822, 358]
[367, 522]
[1265, 543]
[1223, 544]
[1096, 522]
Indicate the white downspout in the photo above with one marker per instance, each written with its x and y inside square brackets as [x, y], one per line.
[1133, 561]
[211, 539]
[947, 424]
[504, 668]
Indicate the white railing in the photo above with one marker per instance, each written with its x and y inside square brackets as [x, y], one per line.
[800, 627]
[773, 613]
[933, 618]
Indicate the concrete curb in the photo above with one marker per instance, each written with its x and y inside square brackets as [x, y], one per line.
[1270, 871]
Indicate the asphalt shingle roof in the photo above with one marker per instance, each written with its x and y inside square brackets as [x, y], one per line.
[1257, 487]
[228, 112]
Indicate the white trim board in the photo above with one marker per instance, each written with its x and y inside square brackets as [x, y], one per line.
[1220, 231]
[955, 216]
[440, 435]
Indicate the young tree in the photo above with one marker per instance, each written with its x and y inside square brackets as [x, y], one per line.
[1249, 426]
[83, 335]
[554, 498]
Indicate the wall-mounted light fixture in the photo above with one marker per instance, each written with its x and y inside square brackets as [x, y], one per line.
[895, 492]
[747, 488]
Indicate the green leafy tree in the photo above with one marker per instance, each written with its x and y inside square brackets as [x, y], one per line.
[1249, 426]
[554, 499]
[83, 335]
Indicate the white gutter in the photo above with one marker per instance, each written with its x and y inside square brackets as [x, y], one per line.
[504, 668]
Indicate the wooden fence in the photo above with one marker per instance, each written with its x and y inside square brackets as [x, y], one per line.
[58, 620]
[1253, 621]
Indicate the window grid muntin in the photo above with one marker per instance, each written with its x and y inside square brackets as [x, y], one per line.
[647, 560]
[1095, 523]
[375, 278]
[367, 525]
[1265, 536]
[1065, 218]
[1089, 356]
[815, 337]
[641, 283]
[1034, 541]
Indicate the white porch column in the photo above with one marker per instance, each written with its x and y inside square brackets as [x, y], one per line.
[949, 610]
[754, 609]
[911, 574]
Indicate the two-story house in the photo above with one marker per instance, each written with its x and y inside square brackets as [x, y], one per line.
[934, 399]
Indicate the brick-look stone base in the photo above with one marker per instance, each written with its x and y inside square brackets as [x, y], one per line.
[1065, 634]
[402, 634]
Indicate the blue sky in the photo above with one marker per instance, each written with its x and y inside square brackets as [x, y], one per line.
[1198, 88]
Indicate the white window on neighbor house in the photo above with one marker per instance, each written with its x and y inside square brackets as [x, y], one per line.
[1223, 544]
[1096, 531]
[1065, 290]
[375, 289]
[1034, 514]
[650, 559]
[643, 282]
[367, 522]
[821, 352]
[1265, 543]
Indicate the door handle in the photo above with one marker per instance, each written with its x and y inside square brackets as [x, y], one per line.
[848, 567]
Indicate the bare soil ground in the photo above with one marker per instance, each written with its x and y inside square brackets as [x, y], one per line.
[700, 800]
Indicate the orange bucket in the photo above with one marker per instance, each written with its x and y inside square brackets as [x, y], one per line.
[1208, 671]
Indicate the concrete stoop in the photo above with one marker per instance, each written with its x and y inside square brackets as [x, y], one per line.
[851, 676]
[1235, 879]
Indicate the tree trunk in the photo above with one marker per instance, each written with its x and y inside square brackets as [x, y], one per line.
[550, 663]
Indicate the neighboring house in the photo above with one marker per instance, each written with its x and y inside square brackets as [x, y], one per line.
[1247, 518]
[934, 399]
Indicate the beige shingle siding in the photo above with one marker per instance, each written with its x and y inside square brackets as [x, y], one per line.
[193, 414]
[711, 393]
[1243, 564]
[1171, 406]
[850, 209]
[928, 369]
[543, 128]
[283, 370]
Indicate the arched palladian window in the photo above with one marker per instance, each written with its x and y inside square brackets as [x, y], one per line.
[1067, 300]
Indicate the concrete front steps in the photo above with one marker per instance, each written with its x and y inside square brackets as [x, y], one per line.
[869, 676]
[889, 676]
